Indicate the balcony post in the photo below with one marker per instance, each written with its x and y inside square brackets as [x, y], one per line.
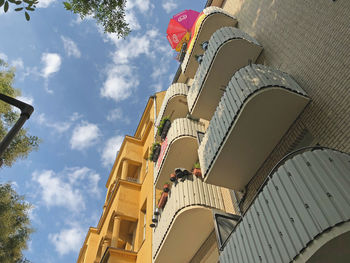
[105, 245]
[116, 228]
[125, 169]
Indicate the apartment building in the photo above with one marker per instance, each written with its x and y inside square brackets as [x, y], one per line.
[266, 85]
[261, 103]
[122, 234]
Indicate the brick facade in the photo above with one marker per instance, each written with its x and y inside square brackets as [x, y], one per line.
[310, 40]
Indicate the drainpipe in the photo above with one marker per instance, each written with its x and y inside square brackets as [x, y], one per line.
[26, 111]
[154, 165]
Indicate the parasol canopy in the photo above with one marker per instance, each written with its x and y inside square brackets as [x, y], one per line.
[179, 28]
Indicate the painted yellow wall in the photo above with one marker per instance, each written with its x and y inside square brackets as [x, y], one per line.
[127, 200]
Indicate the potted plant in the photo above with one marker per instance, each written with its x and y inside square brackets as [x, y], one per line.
[164, 127]
[166, 187]
[197, 170]
[173, 177]
[162, 200]
[155, 151]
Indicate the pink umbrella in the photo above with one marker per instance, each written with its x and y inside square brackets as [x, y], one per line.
[179, 28]
[186, 18]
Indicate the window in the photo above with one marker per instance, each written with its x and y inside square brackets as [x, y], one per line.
[143, 220]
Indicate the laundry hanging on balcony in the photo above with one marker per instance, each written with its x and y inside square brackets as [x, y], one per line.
[179, 28]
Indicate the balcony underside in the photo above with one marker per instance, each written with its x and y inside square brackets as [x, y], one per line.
[176, 108]
[175, 103]
[182, 153]
[215, 19]
[190, 228]
[256, 110]
[331, 246]
[259, 126]
[119, 255]
[229, 50]
[302, 214]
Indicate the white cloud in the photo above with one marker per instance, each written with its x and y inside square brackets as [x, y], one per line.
[52, 64]
[67, 189]
[120, 83]
[78, 175]
[68, 240]
[131, 19]
[56, 192]
[122, 78]
[3, 56]
[26, 99]
[45, 3]
[70, 47]
[169, 6]
[140, 45]
[58, 127]
[110, 150]
[142, 5]
[84, 135]
[75, 116]
[117, 114]
[17, 63]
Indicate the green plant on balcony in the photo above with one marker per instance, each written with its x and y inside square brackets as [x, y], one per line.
[155, 151]
[164, 127]
[197, 169]
[166, 187]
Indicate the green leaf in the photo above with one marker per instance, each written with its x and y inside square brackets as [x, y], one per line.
[2, 2]
[27, 16]
[67, 5]
[18, 2]
[30, 8]
[6, 7]
[19, 9]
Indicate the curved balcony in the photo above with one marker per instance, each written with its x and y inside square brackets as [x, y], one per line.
[301, 214]
[179, 149]
[229, 49]
[214, 18]
[175, 103]
[186, 220]
[256, 110]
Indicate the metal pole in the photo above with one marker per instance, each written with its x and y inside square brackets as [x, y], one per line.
[26, 111]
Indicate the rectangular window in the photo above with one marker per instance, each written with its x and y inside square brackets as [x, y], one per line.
[143, 220]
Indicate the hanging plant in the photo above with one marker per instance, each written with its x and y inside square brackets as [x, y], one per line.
[197, 170]
[164, 127]
[155, 151]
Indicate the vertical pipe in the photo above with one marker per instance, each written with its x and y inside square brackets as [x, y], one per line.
[154, 165]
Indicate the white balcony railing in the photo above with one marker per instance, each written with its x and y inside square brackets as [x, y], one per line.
[179, 149]
[256, 110]
[214, 19]
[229, 49]
[301, 214]
[186, 220]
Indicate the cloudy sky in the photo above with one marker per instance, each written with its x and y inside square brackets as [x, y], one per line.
[89, 90]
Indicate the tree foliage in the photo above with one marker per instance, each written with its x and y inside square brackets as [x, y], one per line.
[25, 5]
[23, 143]
[109, 13]
[15, 226]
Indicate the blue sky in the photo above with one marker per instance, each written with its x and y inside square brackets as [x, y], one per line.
[89, 89]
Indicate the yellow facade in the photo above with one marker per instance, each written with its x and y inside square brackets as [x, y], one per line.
[122, 234]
